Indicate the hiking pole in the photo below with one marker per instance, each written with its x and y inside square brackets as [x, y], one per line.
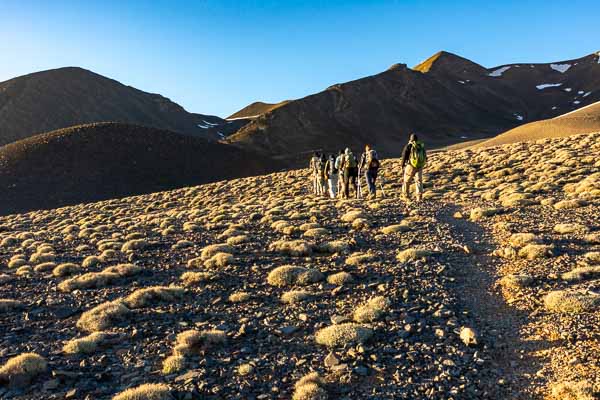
[358, 186]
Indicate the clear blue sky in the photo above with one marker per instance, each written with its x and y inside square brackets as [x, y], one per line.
[216, 56]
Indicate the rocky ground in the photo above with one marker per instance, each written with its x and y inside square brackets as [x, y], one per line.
[469, 294]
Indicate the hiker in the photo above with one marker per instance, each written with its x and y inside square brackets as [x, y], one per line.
[350, 166]
[314, 172]
[339, 160]
[331, 174]
[369, 164]
[414, 158]
[322, 178]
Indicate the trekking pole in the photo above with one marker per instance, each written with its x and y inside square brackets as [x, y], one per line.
[358, 186]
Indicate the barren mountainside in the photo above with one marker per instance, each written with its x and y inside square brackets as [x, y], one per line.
[446, 99]
[107, 160]
[59, 98]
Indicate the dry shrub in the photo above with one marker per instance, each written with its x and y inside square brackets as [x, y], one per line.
[192, 340]
[288, 275]
[398, 228]
[88, 281]
[592, 257]
[102, 316]
[373, 310]
[239, 239]
[310, 387]
[296, 296]
[194, 278]
[25, 270]
[535, 251]
[123, 269]
[147, 391]
[523, 239]
[569, 204]
[239, 297]
[38, 258]
[350, 216]
[84, 345]
[566, 301]
[359, 258]
[146, 296]
[9, 305]
[66, 269]
[341, 278]
[91, 261]
[413, 254]
[516, 281]
[174, 363]
[133, 245]
[360, 223]
[5, 278]
[16, 263]
[245, 369]
[294, 248]
[316, 232]
[570, 390]
[214, 249]
[20, 370]
[468, 336]
[506, 252]
[343, 335]
[581, 273]
[219, 260]
[45, 267]
[480, 213]
[592, 238]
[570, 228]
[332, 247]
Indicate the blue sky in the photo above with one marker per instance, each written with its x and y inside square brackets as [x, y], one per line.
[216, 56]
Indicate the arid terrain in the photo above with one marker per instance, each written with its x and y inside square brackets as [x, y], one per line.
[254, 289]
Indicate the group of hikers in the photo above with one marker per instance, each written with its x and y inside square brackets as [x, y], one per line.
[334, 175]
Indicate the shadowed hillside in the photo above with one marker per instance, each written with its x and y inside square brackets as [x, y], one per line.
[107, 160]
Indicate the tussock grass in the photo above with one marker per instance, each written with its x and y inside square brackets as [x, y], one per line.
[192, 340]
[213, 249]
[592, 257]
[296, 296]
[20, 370]
[360, 223]
[581, 273]
[571, 390]
[239, 297]
[523, 239]
[85, 345]
[373, 310]
[343, 335]
[38, 258]
[571, 301]
[123, 269]
[350, 216]
[147, 391]
[358, 258]
[10, 305]
[16, 263]
[341, 278]
[398, 228]
[516, 281]
[194, 278]
[237, 240]
[219, 260]
[154, 294]
[288, 275]
[25, 270]
[174, 363]
[332, 247]
[480, 213]
[535, 251]
[45, 267]
[133, 245]
[468, 336]
[66, 269]
[5, 278]
[592, 238]
[91, 261]
[102, 316]
[245, 369]
[88, 281]
[570, 228]
[569, 204]
[310, 387]
[294, 248]
[316, 232]
[413, 254]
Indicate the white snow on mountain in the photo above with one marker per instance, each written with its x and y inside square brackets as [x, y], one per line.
[463, 82]
[499, 71]
[562, 68]
[518, 117]
[547, 85]
[587, 94]
[567, 89]
[203, 126]
[576, 102]
[210, 123]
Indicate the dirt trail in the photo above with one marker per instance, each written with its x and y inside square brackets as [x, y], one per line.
[500, 325]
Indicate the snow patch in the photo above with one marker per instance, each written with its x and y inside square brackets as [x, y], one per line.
[568, 89]
[554, 108]
[203, 126]
[463, 82]
[221, 135]
[518, 117]
[562, 68]
[576, 102]
[464, 137]
[499, 71]
[210, 123]
[547, 85]
[587, 94]
[580, 92]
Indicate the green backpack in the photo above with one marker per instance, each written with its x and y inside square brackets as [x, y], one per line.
[417, 155]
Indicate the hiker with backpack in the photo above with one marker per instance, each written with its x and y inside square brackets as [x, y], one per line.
[350, 167]
[340, 178]
[369, 164]
[314, 172]
[322, 178]
[331, 174]
[414, 159]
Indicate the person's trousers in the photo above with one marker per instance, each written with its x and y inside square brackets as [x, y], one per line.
[332, 185]
[350, 177]
[411, 173]
[370, 177]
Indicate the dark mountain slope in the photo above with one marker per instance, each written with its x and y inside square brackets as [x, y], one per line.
[107, 160]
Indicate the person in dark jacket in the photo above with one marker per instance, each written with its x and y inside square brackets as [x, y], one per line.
[413, 161]
[369, 164]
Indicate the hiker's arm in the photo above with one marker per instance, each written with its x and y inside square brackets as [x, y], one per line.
[405, 155]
